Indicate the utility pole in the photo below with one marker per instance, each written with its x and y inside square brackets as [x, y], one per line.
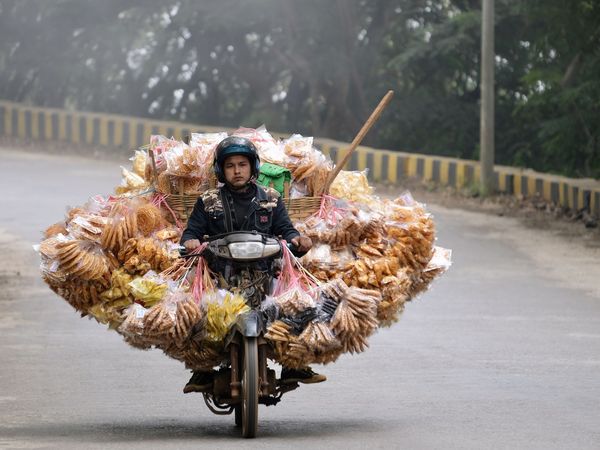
[486, 142]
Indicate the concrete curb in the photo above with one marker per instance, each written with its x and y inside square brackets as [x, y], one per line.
[385, 166]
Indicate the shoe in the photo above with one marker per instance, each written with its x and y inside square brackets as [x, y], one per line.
[200, 382]
[306, 376]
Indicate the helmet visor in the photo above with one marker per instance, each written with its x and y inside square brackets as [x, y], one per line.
[237, 150]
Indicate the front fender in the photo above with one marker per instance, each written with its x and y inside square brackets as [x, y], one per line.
[250, 324]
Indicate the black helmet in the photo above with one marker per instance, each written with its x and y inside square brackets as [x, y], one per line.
[235, 145]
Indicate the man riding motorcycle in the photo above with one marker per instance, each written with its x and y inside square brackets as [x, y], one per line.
[241, 205]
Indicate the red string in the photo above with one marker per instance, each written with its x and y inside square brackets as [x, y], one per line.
[290, 276]
[329, 212]
[160, 200]
[198, 287]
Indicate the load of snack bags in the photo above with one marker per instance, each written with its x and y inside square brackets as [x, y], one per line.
[116, 258]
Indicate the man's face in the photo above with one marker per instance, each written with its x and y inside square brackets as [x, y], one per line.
[237, 171]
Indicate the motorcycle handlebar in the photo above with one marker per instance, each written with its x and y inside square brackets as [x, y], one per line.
[183, 252]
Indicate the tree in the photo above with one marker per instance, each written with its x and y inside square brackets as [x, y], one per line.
[318, 68]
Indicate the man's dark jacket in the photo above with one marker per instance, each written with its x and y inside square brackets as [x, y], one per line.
[215, 213]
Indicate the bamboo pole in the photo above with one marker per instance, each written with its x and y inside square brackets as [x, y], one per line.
[359, 137]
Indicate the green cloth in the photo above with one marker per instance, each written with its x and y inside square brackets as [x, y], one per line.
[274, 176]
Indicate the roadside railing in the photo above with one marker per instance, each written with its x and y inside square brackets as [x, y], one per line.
[385, 166]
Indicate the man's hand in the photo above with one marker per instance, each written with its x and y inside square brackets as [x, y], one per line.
[191, 244]
[302, 243]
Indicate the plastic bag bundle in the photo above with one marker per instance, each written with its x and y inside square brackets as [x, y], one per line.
[116, 259]
[339, 224]
[342, 322]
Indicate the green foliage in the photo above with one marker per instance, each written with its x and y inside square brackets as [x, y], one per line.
[319, 68]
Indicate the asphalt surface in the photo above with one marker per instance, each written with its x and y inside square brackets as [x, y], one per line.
[503, 352]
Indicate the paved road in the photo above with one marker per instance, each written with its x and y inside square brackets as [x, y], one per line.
[502, 352]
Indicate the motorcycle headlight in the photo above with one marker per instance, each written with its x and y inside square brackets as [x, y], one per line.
[246, 250]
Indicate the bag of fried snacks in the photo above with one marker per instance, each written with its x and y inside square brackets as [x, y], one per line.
[174, 160]
[267, 146]
[203, 146]
[159, 323]
[119, 286]
[51, 271]
[353, 186]
[297, 148]
[187, 315]
[110, 312]
[336, 224]
[318, 254]
[294, 291]
[83, 259]
[221, 309]
[149, 218]
[133, 325]
[160, 145]
[131, 182]
[139, 161]
[306, 163]
[149, 289]
[206, 142]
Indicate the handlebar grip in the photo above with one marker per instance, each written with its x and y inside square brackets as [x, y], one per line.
[291, 246]
[185, 253]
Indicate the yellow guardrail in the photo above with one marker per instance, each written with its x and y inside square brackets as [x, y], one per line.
[386, 166]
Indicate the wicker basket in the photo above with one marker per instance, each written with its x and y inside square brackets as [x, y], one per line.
[297, 208]
[301, 208]
[182, 204]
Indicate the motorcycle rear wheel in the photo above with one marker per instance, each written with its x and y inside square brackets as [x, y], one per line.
[250, 387]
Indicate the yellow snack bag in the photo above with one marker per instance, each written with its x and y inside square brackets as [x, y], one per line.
[222, 309]
[351, 185]
[148, 290]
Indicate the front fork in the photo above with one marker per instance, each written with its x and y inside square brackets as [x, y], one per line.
[236, 375]
[262, 367]
[235, 370]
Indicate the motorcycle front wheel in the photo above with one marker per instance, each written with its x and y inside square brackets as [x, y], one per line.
[250, 388]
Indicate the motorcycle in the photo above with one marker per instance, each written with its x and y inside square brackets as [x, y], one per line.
[245, 381]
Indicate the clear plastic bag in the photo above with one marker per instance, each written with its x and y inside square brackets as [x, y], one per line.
[133, 325]
[205, 143]
[441, 259]
[353, 186]
[139, 161]
[221, 311]
[267, 146]
[149, 289]
[131, 183]
[270, 309]
[307, 164]
[294, 292]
